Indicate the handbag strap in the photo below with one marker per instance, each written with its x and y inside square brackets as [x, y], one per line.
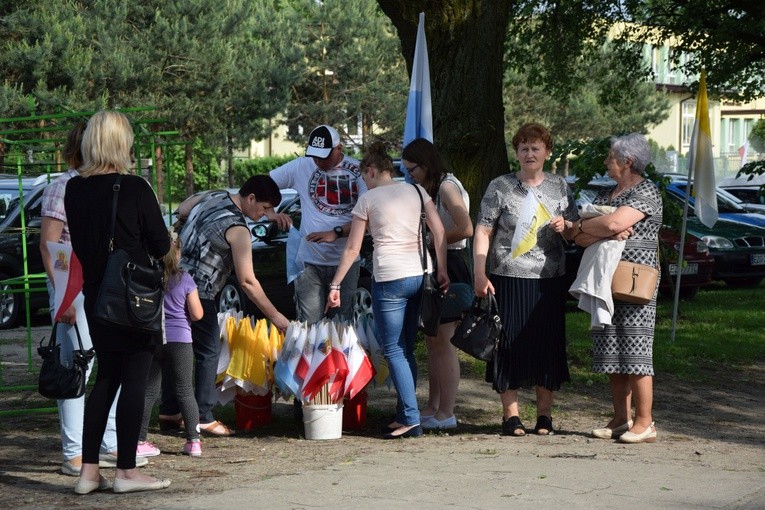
[52, 341]
[491, 304]
[116, 189]
[423, 260]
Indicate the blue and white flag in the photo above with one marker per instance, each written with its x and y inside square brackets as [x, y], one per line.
[419, 114]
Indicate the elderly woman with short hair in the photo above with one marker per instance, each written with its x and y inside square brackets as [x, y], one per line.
[624, 350]
[530, 288]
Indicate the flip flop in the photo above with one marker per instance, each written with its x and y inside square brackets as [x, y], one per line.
[216, 428]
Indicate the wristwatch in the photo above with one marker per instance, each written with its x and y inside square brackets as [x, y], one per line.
[338, 231]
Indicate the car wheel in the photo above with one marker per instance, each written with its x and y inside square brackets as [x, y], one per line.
[742, 283]
[10, 306]
[362, 303]
[230, 298]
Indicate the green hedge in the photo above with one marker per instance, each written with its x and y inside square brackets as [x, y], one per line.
[246, 168]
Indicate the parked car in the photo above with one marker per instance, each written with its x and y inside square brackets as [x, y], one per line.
[749, 191]
[697, 267]
[13, 245]
[9, 190]
[738, 250]
[269, 258]
[729, 207]
[736, 241]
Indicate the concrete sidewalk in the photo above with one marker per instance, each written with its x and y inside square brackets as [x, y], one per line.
[499, 473]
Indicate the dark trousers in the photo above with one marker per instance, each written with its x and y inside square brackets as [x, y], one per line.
[131, 370]
[205, 336]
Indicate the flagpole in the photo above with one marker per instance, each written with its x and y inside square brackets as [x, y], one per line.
[680, 259]
[701, 174]
[683, 231]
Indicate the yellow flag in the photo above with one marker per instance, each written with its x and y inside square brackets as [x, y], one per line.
[701, 162]
[533, 217]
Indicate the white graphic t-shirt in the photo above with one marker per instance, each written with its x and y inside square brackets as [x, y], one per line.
[326, 201]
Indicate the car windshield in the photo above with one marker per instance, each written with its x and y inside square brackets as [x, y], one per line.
[726, 203]
[9, 197]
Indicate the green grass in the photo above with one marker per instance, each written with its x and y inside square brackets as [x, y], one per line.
[721, 326]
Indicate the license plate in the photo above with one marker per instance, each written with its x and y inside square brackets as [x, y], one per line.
[688, 269]
[758, 259]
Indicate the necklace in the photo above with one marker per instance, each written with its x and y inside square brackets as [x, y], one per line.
[616, 192]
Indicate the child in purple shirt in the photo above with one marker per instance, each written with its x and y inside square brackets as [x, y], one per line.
[181, 306]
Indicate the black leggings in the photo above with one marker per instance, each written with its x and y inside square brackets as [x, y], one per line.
[129, 370]
[178, 359]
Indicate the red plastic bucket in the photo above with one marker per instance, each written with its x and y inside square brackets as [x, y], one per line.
[355, 411]
[252, 410]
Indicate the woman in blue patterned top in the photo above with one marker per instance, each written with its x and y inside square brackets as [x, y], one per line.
[530, 288]
[624, 350]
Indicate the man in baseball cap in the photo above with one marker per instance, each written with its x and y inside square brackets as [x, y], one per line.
[321, 141]
[329, 184]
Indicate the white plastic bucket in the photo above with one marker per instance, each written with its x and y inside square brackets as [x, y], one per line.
[323, 421]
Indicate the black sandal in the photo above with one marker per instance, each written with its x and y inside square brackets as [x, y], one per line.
[513, 427]
[544, 423]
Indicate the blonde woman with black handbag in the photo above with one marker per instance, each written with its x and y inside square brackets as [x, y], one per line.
[124, 355]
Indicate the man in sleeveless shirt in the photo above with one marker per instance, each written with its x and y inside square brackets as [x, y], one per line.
[215, 239]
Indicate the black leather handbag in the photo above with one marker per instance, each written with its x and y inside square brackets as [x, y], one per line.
[131, 294]
[56, 380]
[480, 331]
[430, 304]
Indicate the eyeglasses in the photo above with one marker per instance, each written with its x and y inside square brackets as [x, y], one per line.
[412, 169]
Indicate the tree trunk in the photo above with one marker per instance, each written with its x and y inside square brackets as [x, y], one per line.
[189, 153]
[465, 52]
[230, 160]
[158, 167]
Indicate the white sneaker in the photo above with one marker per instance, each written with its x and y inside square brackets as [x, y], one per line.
[433, 424]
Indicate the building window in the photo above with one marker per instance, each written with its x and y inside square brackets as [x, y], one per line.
[733, 127]
[748, 126]
[671, 69]
[689, 119]
[655, 61]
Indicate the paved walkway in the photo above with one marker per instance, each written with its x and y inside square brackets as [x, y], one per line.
[496, 473]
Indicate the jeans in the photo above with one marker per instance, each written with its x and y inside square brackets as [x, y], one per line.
[205, 340]
[71, 411]
[396, 307]
[312, 288]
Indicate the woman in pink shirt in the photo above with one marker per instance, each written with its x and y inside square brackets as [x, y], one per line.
[390, 210]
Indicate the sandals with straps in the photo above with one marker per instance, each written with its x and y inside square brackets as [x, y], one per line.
[513, 427]
[544, 426]
[216, 428]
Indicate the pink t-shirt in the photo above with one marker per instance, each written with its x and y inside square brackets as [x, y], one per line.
[393, 218]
